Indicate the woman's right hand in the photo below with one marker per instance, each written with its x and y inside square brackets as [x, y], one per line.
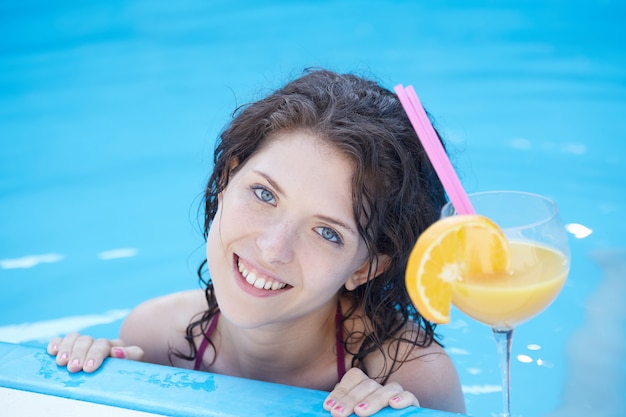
[84, 353]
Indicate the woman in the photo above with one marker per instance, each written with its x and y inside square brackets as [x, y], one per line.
[318, 194]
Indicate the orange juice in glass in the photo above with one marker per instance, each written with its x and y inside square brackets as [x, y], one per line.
[540, 260]
[536, 276]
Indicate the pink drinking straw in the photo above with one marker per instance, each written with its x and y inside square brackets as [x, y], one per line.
[434, 149]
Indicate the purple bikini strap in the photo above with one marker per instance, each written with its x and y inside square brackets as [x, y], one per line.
[205, 342]
[341, 354]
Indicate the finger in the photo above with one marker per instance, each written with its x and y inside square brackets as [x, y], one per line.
[53, 346]
[116, 349]
[134, 353]
[390, 395]
[354, 394]
[117, 342]
[79, 351]
[65, 347]
[369, 397]
[403, 400]
[352, 378]
[96, 354]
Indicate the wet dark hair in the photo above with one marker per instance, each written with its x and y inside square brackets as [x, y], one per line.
[396, 193]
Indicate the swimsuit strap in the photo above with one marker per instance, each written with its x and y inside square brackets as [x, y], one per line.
[341, 353]
[205, 342]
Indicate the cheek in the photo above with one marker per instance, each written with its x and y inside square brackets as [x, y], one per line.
[214, 250]
[325, 273]
[224, 229]
[212, 238]
[216, 239]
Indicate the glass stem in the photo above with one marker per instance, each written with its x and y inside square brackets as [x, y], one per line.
[503, 344]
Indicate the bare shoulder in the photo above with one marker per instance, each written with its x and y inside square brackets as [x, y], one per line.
[158, 324]
[426, 371]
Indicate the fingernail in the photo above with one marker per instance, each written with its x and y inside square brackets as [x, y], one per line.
[90, 363]
[338, 408]
[362, 406]
[330, 403]
[395, 399]
[75, 362]
[63, 355]
[118, 353]
[55, 348]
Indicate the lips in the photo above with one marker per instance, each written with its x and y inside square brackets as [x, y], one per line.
[258, 279]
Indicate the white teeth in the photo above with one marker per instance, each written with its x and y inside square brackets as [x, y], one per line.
[251, 278]
[258, 282]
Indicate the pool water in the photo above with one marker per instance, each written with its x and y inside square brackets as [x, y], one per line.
[109, 111]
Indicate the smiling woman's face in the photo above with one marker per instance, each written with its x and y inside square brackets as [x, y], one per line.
[284, 239]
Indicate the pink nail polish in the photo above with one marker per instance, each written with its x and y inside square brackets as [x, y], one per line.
[338, 408]
[362, 406]
[90, 363]
[118, 353]
[64, 356]
[75, 362]
[330, 403]
[395, 399]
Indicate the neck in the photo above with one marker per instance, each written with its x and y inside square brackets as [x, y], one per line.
[299, 352]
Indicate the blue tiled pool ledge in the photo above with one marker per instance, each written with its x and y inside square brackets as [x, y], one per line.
[165, 390]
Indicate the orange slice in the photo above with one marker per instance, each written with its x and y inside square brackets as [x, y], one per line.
[449, 250]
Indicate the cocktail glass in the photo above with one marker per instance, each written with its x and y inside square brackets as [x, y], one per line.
[540, 262]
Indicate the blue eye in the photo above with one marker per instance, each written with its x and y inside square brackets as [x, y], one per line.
[263, 194]
[330, 235]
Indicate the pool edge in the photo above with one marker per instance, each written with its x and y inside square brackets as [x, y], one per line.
[164, 390]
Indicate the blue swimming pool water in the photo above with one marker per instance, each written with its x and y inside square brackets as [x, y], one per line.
[109, 110]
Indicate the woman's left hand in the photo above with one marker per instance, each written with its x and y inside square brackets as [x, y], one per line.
[357, 393]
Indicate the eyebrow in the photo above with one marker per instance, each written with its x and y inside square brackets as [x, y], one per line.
[337, 223]
[271, 181]
[327, 219]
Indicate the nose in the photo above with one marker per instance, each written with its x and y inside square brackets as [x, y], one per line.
[277, 241]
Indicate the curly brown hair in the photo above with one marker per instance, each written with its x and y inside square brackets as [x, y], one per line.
[396, 193]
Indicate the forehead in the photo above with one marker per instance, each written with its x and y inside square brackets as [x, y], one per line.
[302, 158]
[302, 143]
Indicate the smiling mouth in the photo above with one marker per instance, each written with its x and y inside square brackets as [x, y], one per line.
[256, 280]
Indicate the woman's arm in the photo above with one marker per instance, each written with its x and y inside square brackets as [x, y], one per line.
[147, 334]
